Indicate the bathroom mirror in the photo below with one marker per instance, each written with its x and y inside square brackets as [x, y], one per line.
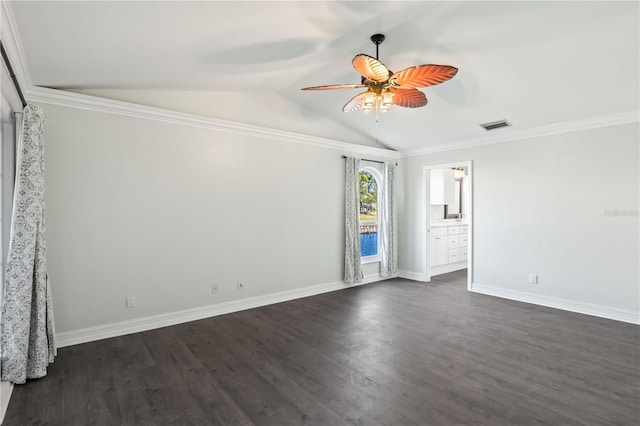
[454, 210]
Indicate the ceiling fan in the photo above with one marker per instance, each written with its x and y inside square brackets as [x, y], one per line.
[386, 88]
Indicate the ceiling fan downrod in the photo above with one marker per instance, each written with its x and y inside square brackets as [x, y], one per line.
[377, 39]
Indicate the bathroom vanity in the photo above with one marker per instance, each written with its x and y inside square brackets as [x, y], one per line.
[448, 247]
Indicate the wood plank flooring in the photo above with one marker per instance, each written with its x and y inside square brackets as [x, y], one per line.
[392, 353]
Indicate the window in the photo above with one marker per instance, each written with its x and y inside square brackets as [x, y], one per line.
[369, 220]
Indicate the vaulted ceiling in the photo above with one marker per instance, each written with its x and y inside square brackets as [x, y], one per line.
[532, 63]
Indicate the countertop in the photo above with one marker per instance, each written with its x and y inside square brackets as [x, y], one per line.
[448, 222]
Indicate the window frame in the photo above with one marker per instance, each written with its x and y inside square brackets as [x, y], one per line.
[377, 175]
[10, 104]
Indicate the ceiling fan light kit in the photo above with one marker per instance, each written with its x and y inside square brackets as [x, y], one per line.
[386, 88]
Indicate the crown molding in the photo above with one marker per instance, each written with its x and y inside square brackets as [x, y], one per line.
[92, 103]
[12, 44]
[535, 132]
[77, 100]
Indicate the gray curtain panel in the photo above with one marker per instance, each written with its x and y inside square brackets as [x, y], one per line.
[388, 223]
[352, 260]
[27, 331]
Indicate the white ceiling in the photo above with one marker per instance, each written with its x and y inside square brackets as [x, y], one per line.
[532, 63]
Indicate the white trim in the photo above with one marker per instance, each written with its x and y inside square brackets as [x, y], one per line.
[426, 213]
[10, 99]
[92, 103]
[13, 46]
[410, 275]
[378, 177]
[109, 106]
[601, 311]
[6, 389]
[515, 135]
[424, 226]
[122, 328]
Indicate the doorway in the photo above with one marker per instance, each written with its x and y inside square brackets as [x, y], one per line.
[448, 216]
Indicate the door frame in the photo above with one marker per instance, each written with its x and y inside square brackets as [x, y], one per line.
[426, 215]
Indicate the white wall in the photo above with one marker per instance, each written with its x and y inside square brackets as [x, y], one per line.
[162, 211]
[540, 207]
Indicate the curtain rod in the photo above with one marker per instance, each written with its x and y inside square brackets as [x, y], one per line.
[12, 74]
[372, 161]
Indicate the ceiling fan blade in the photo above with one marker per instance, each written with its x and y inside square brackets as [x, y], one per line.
[409, 98]
[422, 76]
[334, 86]
[354, 103]
[371, 68]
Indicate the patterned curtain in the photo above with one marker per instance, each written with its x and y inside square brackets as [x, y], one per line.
[352, 260]
[388, 223]
[27, 330]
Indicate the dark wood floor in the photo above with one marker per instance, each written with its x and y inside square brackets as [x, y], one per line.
[391, 353]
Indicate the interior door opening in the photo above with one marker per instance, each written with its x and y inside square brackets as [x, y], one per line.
[448, 207]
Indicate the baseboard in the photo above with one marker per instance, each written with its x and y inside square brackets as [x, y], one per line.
[122, 328]
[560, 303]
[416, 276]
[6, 388]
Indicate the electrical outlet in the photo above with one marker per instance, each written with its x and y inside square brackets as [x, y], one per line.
[131, 301]
[240, 285]
[533, 278]
[214, 288]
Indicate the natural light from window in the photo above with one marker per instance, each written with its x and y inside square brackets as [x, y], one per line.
[369, 221]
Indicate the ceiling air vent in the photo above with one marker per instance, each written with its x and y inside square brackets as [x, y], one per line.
[495, 125]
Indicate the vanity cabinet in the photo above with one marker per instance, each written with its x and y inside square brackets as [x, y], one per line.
[448, 247]
[439, 246]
